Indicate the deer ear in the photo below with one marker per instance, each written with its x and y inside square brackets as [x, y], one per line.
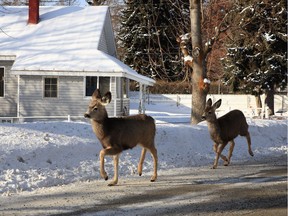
[217, 104]
[96, 95]
[106, 98]
[209, 102]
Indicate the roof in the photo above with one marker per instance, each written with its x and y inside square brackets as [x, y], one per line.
[66, 41]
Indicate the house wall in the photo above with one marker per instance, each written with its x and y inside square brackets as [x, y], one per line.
[8, 103]
[70, 101]
[107, 41]
[103, 43]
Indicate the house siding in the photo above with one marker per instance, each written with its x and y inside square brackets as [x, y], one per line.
[70, 101]
[103, 43]
[8, 103]
[107, 42]
[109, 37]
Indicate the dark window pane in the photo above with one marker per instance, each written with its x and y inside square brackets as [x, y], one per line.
[91, 85]
[104, 84]
[50, 87]
[53, 81]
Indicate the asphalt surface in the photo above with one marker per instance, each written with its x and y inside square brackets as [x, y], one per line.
[239, 189]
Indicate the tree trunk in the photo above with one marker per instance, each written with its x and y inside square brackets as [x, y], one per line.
[269, 101]
[258, 104]
[199, 92]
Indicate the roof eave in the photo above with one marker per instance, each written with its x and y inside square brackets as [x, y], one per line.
[137, 77]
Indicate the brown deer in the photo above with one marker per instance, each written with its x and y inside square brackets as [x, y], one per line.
[119, 134]
[225, 129]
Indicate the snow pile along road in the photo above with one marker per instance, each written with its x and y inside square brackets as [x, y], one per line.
[45, 154]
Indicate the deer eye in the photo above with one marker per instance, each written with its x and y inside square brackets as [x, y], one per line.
[209, 112]
[95, 109]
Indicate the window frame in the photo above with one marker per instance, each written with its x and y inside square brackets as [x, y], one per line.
[57, 85]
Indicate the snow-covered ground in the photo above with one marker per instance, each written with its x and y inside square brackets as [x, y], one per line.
[45, 154]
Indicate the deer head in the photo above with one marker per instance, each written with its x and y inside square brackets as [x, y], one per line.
[96, 109]
[209, 112]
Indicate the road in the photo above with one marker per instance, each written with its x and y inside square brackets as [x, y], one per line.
[239, 189]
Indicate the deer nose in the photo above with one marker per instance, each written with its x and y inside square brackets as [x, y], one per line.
[87, 115]
[203, 117]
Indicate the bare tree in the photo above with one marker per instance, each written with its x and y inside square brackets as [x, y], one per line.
[200, 90]
[197, 61]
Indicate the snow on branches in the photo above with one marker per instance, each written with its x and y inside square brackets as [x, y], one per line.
[183, 40]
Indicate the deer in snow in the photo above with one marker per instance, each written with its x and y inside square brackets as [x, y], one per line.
[225, 129]
[119, 134]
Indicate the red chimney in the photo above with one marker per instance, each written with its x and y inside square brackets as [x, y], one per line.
[33, 12]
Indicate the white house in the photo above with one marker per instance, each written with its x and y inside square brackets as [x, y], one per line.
[53, 58]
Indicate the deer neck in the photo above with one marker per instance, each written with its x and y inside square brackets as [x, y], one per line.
[98, 127]
[214, 130]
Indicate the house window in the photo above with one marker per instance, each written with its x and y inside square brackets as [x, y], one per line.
[92, 83]
[50, 87]
[2, 82]
[104, 84]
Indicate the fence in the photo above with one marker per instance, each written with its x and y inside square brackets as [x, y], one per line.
[246, 103]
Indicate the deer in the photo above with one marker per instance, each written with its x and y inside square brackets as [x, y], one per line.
[117, 134]
[225, 129]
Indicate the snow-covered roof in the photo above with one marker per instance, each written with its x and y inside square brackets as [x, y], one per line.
[66, 41]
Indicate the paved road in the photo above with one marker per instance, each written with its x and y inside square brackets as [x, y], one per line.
[240, 189]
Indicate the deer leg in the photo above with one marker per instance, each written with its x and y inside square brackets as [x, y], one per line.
[249, 143]
[215, 150]
[102, 170]
[153, 151]
[116, 162]
[232, 144]
[142, 157]
[219, 150]
[103, 152]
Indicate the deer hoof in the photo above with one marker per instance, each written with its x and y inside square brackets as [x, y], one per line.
[113, 183]
[153, 178]
[226, 163]
[251, 153]
[106, 178]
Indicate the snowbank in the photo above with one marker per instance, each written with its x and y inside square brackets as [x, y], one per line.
[45, 154]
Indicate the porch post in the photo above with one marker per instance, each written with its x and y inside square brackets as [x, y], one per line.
[18, 98]
[140, 99]
[143, 99]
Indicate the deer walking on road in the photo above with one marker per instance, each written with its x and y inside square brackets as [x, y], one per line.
[119, 134]
[225, 129]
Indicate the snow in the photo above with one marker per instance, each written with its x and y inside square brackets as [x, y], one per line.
[45, 154]
[269, 37]
[188, 58]
[207, 81]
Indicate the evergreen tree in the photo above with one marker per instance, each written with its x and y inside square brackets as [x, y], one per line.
[256, 62]
[148, 37]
